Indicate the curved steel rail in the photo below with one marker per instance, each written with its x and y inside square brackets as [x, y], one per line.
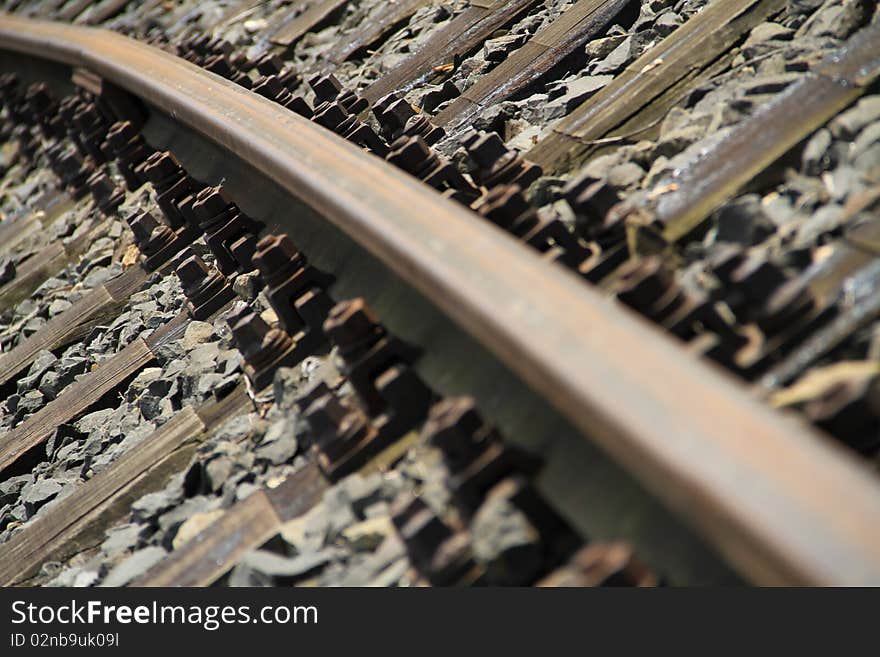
[783, 504]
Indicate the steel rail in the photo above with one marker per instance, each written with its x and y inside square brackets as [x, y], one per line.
[781, 502]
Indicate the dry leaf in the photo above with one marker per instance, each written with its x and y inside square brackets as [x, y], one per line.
[130, 257]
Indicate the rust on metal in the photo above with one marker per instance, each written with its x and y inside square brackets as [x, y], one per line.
[316, 13]
[463, 34]
[688, 432]
[760, 140]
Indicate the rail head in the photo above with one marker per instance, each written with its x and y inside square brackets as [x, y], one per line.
[783, 504]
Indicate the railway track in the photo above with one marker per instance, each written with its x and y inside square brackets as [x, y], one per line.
[418, 355]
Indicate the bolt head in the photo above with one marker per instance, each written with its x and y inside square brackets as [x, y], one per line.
[192, 272]
[210, 202]
[397, 114]
[275, 253]
[269, 64]
[161, 166]
[350, 322]
[410, 153]
[268, 87]
[39, 97]
[487, 150]
[101, 185]
[326, 87]
[325, 414]
[142, 226]
[121, 134]
[249, 332]
[331, 115]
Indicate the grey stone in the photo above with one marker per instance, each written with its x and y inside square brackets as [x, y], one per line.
[339, 513]
[616, 60]
[134, 566]
[843, 182]
[7, 270]
[154, 408]
[121, 539]
[869, 160]
[837, 20]
[495, 117]
[824, 220]
[245, 489]
[217, 471]
[207, 383]
[197, 333]
[624, 175]
[496, 50]
[229, 361]
[778, 209]
[264, 568]
[153, 504]
[71, 366]
[742, 221]
[44, 361]
[601, 48]
[11, 488]
[815, 156]
[506, 542]
[59, 306]
[286, 386]
[279, 444]
[769, 84]
[39, 493]
[666, 23]
[64, 435]
[363, 492]
[145, 308]
[85, 578]
[392, 575]
[52, 384]
[247, 285]
[50, 569]
[99, 276]
[170, 521]
[142, 381]
[868, 137]
[676, 140]
[203, 358]
[170, 352]
[848, 124]
[579, 89]
[28, 403]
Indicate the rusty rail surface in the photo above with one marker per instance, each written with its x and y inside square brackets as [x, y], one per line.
[778, 500]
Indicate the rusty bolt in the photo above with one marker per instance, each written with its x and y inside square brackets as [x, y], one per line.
[326, 415]
[269, 87]
[142, 226]
[40, 98]
[397, 114]
[249, 332]
[485, 150]
[331, 115]
[269, 64]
